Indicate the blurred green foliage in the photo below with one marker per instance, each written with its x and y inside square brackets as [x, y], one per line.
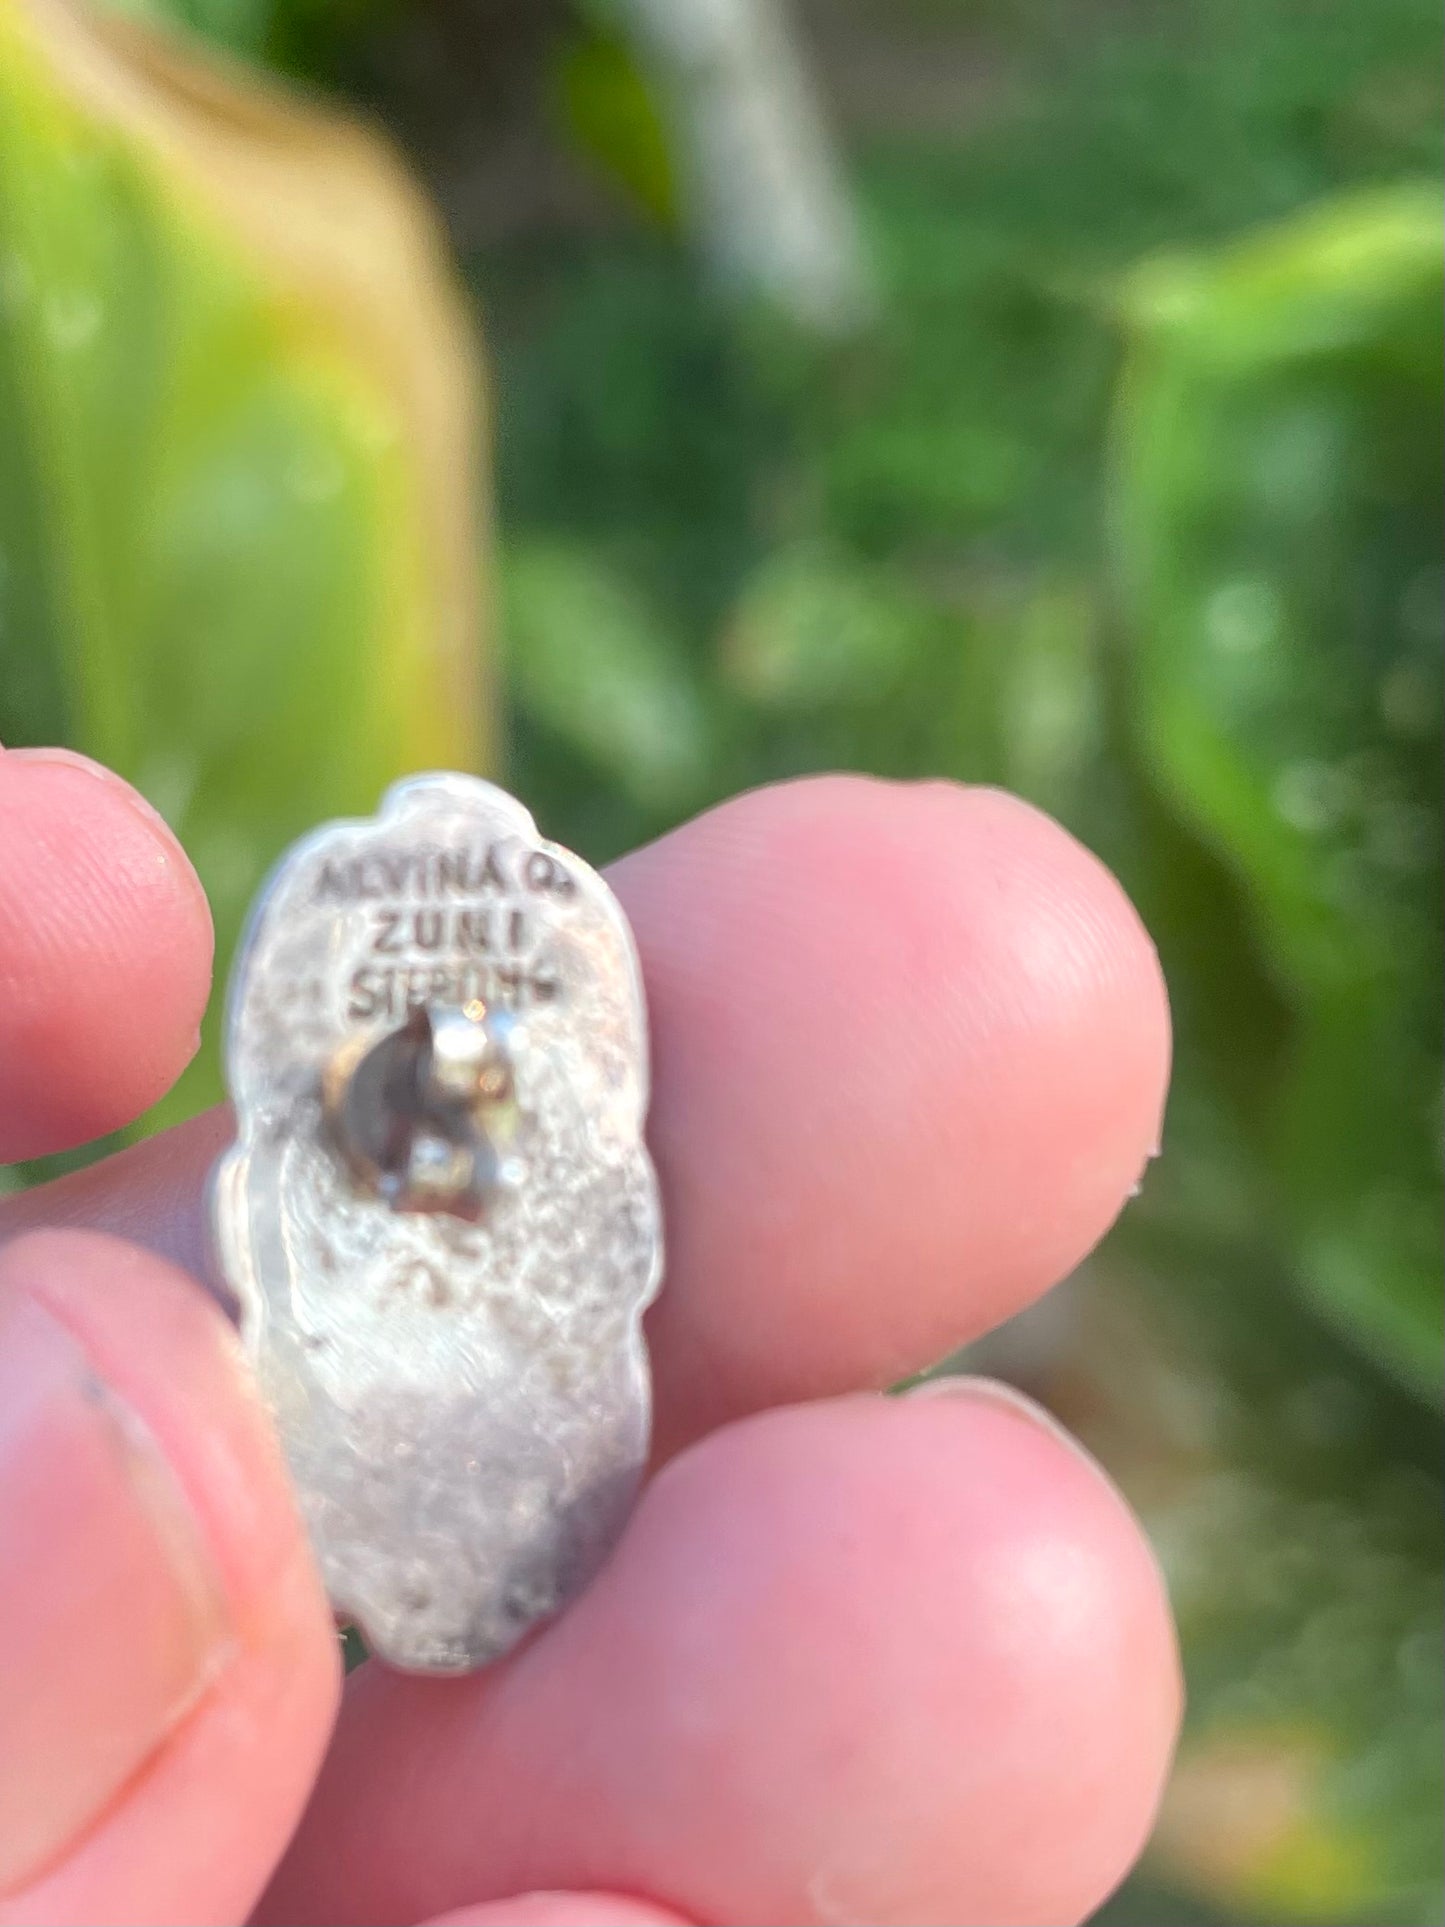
[1129, 498]
[1277, 508]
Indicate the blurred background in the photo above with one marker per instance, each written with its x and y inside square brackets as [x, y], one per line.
[639, 399]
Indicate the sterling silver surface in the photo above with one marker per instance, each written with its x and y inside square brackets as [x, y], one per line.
[439, 1215]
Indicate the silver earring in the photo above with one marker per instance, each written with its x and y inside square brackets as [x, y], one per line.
[439, 1216]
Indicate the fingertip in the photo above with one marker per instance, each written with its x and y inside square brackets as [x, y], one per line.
[56, 757]
[106, 968]
[941, 1627]
[1063, 1487]
[1083, 1638]
[899, 1028]
[1083, 956]
[1033, 948]
[868, 1659]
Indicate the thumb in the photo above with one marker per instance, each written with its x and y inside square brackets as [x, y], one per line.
[169, 1669]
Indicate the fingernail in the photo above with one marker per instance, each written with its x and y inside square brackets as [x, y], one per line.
[1040, 1421]
[53, 755]
[112, 1615]
[1006, 1398]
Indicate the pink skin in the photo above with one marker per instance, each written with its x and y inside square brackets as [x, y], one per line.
[95, 892]
[863, 1660]
[856, 1659]
[561, 1910]
[166, 1490]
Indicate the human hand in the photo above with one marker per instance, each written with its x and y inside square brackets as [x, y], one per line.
[856, 1658]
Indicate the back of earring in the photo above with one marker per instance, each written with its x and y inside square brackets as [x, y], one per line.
[439, 1215]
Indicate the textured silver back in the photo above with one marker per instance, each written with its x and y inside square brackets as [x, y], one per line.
[464, 1406]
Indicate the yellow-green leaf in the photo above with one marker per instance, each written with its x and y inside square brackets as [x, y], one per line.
[238, 425]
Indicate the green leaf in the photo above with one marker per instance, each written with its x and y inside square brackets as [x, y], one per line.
[1277, 511]
[238, 413]
[607, 109]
